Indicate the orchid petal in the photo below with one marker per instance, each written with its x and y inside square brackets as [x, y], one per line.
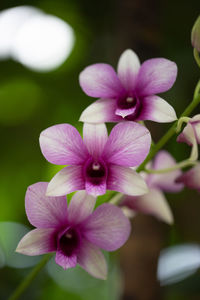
[165, 181]
[107, 227]
[153, 203]
[128, 68]
[156, 76]
[43, 211]
[187, 135]
[128, 144]
[80, 207]
[62, 145]
[37, 242]
[64, 261]
[157, 109]
[102, 110]
[195, 122]
[92, 260]
[68, 180]
[95, 137]
[125, 112]
[126, 181]
[96, 189]
[100, 81]
[191, 178]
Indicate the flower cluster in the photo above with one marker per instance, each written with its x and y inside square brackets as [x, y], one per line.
[99, 162]
[154, 202]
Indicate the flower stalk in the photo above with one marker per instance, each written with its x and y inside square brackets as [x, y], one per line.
[30, 277]
[180, 165]
[172, 130]
[196, 57]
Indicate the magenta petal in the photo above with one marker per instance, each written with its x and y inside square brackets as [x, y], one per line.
[64, 261]
[126, 181]
[188, 135]
[128, 144]
[68, 180]
[156, 109]
[92, 260]
[43, 211]
[153, 203]
[128, 68]
[107, 227]
[80, 207]
[102, 110]
[37, 242]
[166, 181]
[100, 81]
[62, 145]
[156, 76]
[195, 122]
[95, 189]
[191, 178]
[95, 137]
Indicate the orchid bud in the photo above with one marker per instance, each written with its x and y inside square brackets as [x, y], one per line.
[195, 37]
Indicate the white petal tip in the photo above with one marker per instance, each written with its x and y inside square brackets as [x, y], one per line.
[102, 276]
[52, 193]
[18, 250]
[166, 216]
[49, 193]
[82, 119]
[144, 190]
[169, 220]
[21, 250]
[172, 116]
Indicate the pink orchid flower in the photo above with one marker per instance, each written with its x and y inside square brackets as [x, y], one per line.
[75, 233]
[97, 162]
[129, 94]
[154, 202]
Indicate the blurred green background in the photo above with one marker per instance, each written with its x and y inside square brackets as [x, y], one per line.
[32, 100]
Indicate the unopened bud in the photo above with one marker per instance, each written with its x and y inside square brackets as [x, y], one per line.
[195, 37]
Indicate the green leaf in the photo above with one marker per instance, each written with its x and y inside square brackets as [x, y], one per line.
[10, 235]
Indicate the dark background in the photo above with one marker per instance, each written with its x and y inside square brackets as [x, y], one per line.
[31, 101]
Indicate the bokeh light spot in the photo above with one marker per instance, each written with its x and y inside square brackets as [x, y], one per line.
[39, 41]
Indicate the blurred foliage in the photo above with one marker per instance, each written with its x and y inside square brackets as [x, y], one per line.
[10, 235]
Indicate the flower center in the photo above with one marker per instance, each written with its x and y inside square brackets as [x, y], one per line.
[129, 99]
[96, 166]
[127, 102]
[69, 242]
[95, 171]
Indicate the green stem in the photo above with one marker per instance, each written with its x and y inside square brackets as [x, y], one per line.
[169, 133]
[182, 164]
[30, 277]
[180, 123]
[196, 56]
[197, 90]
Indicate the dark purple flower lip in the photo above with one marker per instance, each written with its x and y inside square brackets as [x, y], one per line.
[95, 171]
[130, 102]
[126, 102]
[68, 241]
